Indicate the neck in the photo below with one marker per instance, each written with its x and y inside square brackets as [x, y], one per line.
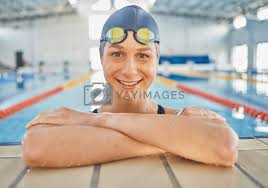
[136, 105]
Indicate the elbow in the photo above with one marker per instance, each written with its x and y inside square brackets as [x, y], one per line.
[228, 152]
[31, 154]
[30, 158]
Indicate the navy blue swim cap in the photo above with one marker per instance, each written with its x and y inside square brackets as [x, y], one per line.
[130, 18]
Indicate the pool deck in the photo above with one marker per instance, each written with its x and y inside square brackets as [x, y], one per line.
[156, 171]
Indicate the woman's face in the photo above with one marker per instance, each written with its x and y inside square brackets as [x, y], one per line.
[129, 65]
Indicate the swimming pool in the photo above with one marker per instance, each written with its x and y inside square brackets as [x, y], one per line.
[12, 128]
[11, 93]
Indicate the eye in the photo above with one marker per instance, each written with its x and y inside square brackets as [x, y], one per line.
[143, 56]
[117, 54]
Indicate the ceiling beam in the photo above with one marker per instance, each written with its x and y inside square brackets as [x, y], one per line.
[36, 16]
[192, 15]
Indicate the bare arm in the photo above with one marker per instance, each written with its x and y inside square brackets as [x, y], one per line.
[201, 139]
[204, 140]
[65, 146]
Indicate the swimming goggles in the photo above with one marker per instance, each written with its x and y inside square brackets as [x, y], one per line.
[117, 34]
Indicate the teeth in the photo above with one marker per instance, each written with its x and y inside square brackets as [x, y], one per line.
[128, 83]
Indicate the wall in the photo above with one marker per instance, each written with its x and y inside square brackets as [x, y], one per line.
[54, 40]
[51, 40]
[194, 37]
[254, 33]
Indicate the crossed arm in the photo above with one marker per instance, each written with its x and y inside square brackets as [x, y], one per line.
[85, 138]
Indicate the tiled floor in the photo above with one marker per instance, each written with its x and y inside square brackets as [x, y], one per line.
[166, 171]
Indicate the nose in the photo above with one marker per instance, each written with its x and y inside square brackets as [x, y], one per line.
[129, 68]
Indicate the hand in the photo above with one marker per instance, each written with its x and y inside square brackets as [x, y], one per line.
[63, 116]
[203, 113]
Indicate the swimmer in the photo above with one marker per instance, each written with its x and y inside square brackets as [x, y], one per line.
[132, 127]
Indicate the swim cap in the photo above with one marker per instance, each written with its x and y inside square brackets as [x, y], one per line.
[130, 18]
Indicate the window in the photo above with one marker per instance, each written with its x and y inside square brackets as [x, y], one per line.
[101, 5]
[121, 3]
[262, 57]
[95, 23]
[240, 58]
[262, 86]
[94, 58]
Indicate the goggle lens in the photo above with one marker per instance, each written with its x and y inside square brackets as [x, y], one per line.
[115, 35]
[145, 36]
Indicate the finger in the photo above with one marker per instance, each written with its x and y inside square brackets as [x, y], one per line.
[196, 111]
[216, 117]
[213, 114]
[35, 123]
[32, 123]
[41, 115]
[43, 125]
[42, 120]
[219, 116]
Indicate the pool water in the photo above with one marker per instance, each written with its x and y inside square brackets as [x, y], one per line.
[12, 128]
[252, 94]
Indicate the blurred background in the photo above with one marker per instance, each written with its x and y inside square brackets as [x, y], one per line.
[228, 35]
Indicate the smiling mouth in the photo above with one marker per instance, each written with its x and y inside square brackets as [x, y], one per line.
[129, 84]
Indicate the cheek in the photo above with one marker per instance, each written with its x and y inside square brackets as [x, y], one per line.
[149, 72]
[109, 70]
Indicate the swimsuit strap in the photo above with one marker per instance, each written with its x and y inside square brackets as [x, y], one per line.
[95, 111]
[160, 110]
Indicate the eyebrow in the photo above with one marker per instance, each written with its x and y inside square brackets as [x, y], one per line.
[145, 49]
[116, 46]
[122, 47]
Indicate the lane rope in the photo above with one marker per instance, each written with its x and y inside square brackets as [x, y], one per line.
[35, 99]
[263, 115]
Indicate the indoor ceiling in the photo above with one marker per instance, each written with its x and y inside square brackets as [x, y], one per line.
[219, 9]
[17, 10]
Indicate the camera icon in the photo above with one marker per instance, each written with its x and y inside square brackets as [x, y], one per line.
[97, 93]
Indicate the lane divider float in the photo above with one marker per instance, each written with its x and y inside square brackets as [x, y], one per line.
[263, 115]
[35, 99]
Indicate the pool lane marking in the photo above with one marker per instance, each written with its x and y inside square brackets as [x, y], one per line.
[249, 176]
[263, 115]
[18, 178]
[10, 143]
[10, 156]
[218, 76]
[96, 176]
[75, 82]
[28, 102]
[174, 181]
[35, 99]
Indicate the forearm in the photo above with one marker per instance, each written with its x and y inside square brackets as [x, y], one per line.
[64, 146]
[206, 141]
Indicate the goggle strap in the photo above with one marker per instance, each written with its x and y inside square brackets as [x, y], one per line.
[125, 32]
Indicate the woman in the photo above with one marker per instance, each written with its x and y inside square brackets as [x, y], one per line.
[132, 126]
